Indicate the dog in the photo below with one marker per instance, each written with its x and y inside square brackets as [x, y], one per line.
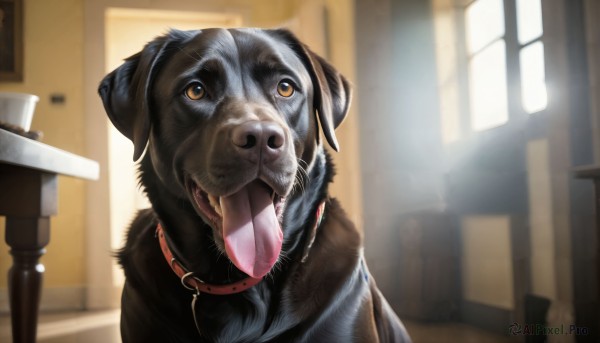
[243, 242]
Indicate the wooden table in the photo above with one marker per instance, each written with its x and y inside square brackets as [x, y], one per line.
[28, 197]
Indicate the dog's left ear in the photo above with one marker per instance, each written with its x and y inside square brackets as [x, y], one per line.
[332, 92]
[125, 91]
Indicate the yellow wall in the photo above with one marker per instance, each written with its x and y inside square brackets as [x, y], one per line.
[347, 183]
[53, 33]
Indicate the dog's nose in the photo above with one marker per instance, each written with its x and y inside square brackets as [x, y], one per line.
[255, 139]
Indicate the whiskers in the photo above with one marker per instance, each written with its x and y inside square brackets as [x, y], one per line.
[279, 264]
[216, 249]
[301, 177]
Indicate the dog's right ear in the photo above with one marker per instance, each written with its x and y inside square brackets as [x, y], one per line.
[125, 91]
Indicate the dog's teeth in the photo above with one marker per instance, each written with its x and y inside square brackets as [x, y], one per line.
[217, 207]
[215, 202]
[211, 200]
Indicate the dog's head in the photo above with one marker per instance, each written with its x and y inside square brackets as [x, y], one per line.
[231, 120]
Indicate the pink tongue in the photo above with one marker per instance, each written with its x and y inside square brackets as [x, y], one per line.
[251, 230]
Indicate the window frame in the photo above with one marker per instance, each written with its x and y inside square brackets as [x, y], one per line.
[516, 112]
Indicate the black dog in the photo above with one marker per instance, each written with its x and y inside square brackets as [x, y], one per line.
[241, 226]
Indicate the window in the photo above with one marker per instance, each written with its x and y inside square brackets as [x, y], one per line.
[533, 83]
[534, 97]
[487, 82]
[486, 50]
[486, 45]
[529, 20]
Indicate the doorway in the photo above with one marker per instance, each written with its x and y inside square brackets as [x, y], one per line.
[126, 32]
[113, 34]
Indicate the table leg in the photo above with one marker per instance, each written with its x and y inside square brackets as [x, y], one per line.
[27, 238]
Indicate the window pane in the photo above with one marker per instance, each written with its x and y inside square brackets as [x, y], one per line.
[533, 78]
[484, 23]
[487, 83]
[529, 20]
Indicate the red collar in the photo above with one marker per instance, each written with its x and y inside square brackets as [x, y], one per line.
[189, 281]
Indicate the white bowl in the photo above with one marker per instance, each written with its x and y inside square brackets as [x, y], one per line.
[17, 109]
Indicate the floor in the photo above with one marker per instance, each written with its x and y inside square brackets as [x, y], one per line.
[451, 333]
[103, 327]
[72, 327]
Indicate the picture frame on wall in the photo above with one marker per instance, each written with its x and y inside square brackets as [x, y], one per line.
[11, 40]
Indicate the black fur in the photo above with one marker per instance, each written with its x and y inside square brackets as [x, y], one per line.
[319, 294]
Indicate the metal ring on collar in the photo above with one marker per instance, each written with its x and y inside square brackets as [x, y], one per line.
[184, 278]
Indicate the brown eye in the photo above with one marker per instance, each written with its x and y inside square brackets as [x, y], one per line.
[195, 91]
[285, 89]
